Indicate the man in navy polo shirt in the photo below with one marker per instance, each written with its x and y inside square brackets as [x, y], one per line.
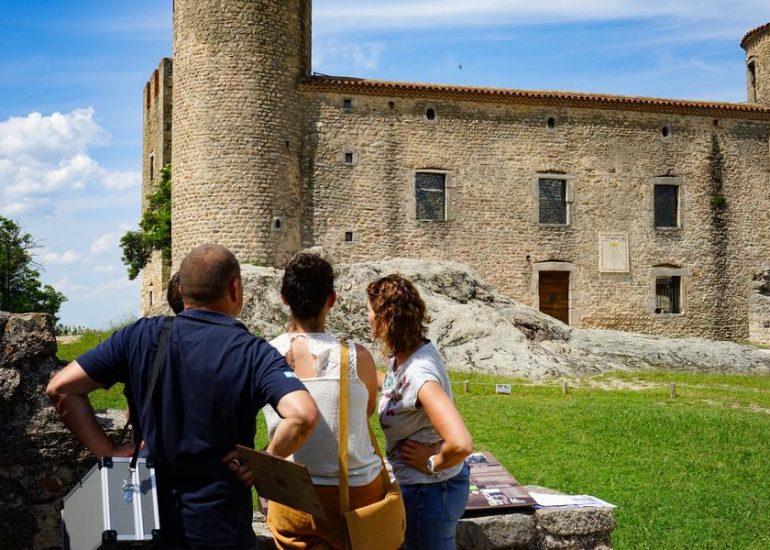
[214, 378]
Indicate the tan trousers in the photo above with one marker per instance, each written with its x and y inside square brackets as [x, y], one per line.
[295, 530]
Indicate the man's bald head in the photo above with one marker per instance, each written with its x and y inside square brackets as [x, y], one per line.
[207, 273]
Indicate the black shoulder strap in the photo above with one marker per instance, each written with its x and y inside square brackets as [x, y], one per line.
[160, 353]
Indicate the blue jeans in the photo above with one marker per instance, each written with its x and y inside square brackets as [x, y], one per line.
[432, 512]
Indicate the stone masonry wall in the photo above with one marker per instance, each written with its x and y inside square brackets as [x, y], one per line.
[492, 155]
[40, 461]
[156, 153]
[155, 278]
[758, 48]
[759, 309]
[238, 125]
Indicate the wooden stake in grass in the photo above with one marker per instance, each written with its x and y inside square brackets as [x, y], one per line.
[564, 387]
[466, 386]
[672, 390]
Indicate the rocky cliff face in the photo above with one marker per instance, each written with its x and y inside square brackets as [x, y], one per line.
[39, 459]
[479, 330]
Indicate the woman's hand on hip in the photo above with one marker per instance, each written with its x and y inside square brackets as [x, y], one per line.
[417, 454]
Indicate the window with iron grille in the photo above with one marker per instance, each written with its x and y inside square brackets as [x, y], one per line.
[552, 200]
[666, 206]
[430, 195]
[668, 295]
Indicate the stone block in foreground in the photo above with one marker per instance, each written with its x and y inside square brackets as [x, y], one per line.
[543, 529]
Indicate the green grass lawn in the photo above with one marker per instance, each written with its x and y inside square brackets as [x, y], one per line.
[684, 472]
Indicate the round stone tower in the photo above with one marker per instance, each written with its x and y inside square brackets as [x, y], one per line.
[757, 46]
[237, 125]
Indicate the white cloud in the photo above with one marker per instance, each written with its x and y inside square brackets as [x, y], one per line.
[120, 181]
[42, 155]
[347, 55]
[114, 286]
[104, 243]
[28, 206]
[68, 257]
[67, 287]
[106, 269]
[429, 14]
[58, 134]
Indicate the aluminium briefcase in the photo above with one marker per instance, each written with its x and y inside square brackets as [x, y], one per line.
[101, 512]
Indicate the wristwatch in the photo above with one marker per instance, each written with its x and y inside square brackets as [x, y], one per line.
[430, 466]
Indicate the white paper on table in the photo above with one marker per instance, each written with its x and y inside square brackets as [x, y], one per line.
[548, 501]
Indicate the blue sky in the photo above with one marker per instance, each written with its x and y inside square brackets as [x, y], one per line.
[72, 75]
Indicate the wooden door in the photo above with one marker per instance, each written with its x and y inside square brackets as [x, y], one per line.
[554, 294]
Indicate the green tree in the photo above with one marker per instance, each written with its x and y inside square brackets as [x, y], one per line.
[154, 231]
[20, 287]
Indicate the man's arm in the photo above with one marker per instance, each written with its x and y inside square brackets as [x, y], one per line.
[68, 391]
[300, 417]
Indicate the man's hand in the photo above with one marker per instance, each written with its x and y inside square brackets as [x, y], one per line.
[68, 391]
[240, 470]
[126, 449]
[300, 416]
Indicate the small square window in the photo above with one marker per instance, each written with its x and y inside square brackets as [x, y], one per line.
[347, 104]
[666, 206]
[552, 200]
[348, 158]
[348, 236]
[668, 295]
[430, 195]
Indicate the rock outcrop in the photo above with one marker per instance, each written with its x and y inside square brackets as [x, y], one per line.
[479, 330]
[39, 459]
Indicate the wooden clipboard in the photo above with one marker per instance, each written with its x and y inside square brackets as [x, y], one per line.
[282, 480]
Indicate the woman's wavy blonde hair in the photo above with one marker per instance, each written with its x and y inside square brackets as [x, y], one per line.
[400, 317]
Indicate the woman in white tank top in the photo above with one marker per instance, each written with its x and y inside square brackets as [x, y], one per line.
[308, 290]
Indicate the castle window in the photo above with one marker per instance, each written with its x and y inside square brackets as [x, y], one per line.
[347, 104]
[151, 297]
[348, 158]
[552, 201]
[668, 293]
[666, 206]
[430, 195]
[348, 236]
[430, 114]
[751, 78]
[551, 123]
[152, 166]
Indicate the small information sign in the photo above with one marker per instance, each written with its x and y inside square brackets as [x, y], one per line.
[492, 487]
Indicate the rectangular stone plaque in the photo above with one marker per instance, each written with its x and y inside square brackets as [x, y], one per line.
[613, 252]
[492, 487]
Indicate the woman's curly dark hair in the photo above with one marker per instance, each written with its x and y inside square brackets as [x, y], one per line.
[308, 281]
[400, 317]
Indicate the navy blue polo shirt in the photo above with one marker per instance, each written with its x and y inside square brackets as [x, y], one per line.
[214, 379]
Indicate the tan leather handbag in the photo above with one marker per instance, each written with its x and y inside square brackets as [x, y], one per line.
[380, 525]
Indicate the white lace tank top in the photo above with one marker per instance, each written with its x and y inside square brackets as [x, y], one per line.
[320, 451]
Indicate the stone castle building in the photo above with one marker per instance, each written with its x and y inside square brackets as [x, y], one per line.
[629, 213]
